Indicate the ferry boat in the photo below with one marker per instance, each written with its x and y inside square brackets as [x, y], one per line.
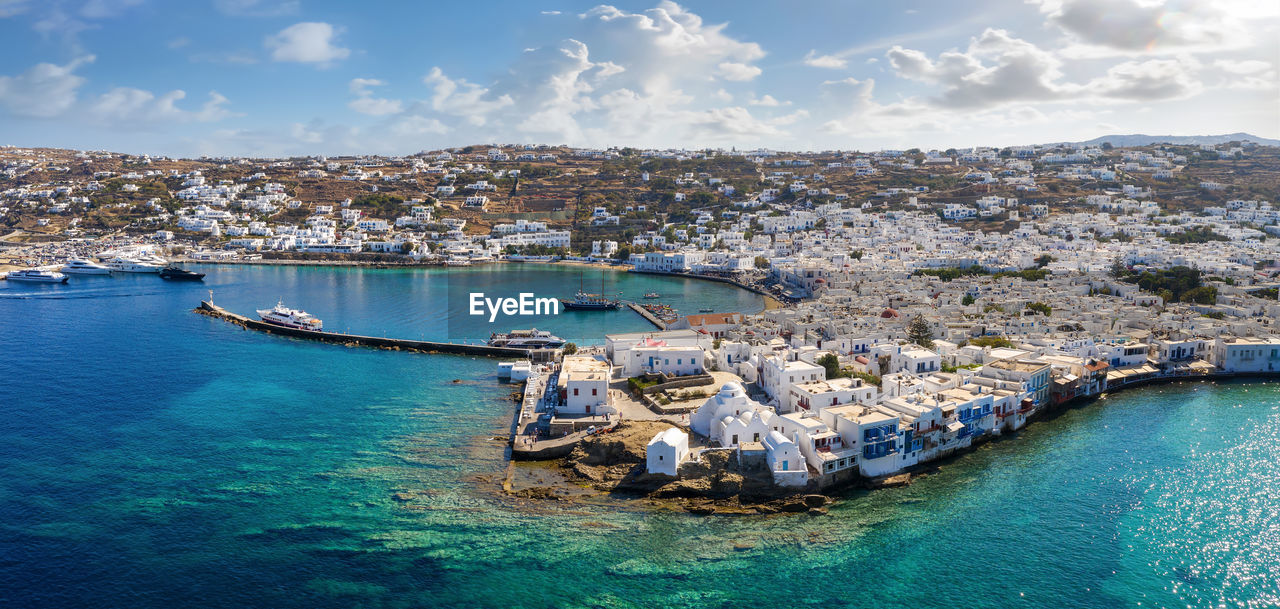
[281, 315]
[84, 267]
[133, 265]
[526, 339]
[36, 276]
[583, 301]
[180, 274]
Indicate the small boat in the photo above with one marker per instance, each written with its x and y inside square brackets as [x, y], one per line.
[36, 276]
[653, 295]
[84, 267]
[583, 301]
[281, 315]
[706, 310]
[457, 262]
[180, 274]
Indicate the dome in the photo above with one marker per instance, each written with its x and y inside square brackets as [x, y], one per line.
[889, 314]
[732, 389]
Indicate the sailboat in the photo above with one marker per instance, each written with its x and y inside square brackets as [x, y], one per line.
[583, 301]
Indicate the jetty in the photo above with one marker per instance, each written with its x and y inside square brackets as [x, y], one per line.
[400, 344]
[653, 319]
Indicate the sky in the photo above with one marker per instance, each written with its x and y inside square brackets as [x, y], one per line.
[310, 77]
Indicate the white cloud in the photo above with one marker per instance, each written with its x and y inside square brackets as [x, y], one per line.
[419, 126]
[366, 103]
[179, 42]
[767, 100]
[1154, 79]
[722, 95]
[306, 42]
[1243, 67]
[998, 69]
[45, 90]
[732, 70]
[812, 58]
[129, 105]
[1144, 25]
[550, 12]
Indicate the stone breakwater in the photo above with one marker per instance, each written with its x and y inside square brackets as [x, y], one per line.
[397, 344]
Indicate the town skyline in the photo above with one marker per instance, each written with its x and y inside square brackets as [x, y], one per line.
[260, 78]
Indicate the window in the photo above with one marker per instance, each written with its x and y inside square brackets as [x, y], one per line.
[575, 391]
[593, 391]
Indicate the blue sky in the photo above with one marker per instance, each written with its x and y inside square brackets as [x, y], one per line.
[279, 77]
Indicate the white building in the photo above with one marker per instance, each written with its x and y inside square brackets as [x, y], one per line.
[665, 451]
[584, 386]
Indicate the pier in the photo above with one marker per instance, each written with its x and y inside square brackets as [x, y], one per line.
[421, 346]
[653, 319]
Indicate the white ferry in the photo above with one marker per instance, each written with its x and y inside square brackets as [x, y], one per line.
[36, 276]
[281, 315]
[133, 265]
[526, 339]
[84, 267]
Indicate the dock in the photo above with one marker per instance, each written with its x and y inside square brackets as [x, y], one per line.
[400, 344]
[653, 319]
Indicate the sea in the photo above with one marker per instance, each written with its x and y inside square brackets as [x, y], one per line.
[152, 457]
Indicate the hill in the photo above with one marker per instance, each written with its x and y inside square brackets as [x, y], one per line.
[1139, 139]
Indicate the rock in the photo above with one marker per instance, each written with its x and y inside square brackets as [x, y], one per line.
[794, 507]
[893, 481]
[742, 546]
[815, 501]
[817, 511]
[702, 510]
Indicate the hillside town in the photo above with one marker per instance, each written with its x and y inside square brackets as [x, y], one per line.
[935, 298]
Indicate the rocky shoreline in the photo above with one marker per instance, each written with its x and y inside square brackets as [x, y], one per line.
[613, 465]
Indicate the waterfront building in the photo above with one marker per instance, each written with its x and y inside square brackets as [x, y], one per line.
[665, 451]
[786, 463]
[584, 386]
[1246, 354]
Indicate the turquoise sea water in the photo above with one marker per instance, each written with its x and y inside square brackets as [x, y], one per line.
[151, 457]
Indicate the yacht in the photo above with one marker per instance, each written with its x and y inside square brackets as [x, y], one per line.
[457, 262]
[180, 274]
[526, 339]
[36, 276]
[281, 315]
[84, 267]
[133, 265]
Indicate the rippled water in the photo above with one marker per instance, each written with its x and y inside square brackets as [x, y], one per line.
[150, 457]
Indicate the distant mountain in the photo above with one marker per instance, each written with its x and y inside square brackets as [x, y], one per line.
[1139, 139]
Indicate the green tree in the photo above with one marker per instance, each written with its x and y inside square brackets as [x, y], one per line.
[832, 365]
[1044, 260]
[1117, 268]
[570, 348]
[967, 300]
[919, 333]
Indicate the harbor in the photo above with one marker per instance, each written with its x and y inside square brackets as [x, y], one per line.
[422, 346]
